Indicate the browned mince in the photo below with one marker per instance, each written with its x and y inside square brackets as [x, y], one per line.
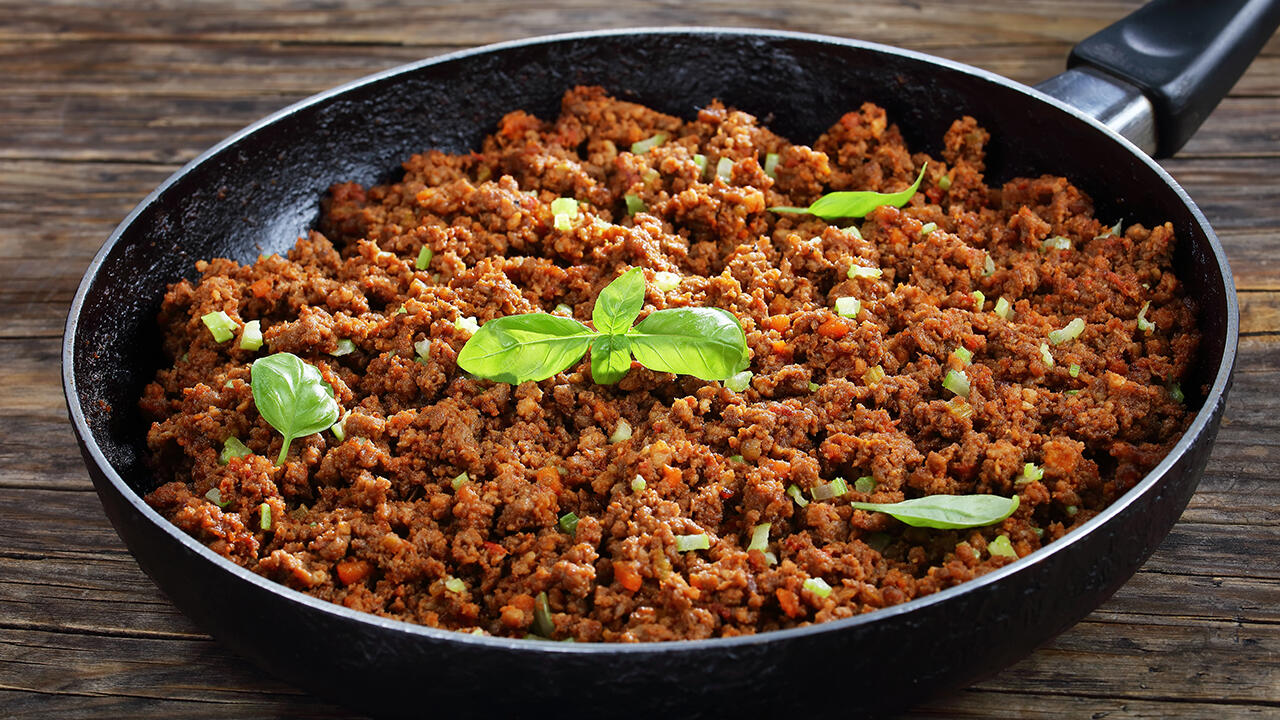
[374, 523]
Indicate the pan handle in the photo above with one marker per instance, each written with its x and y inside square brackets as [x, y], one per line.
[1155, 75]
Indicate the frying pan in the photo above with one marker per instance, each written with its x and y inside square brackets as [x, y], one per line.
[1152, 78]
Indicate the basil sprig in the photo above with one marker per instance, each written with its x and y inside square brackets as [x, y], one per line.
[292, 396]
[947, 512]
[707, 343]
[854, 203]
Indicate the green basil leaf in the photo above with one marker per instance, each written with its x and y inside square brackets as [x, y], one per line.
[518, 348]
[610, 358]
[947, 512]
[854, 204]
[619, 303]
[707, 343]
[292, 396]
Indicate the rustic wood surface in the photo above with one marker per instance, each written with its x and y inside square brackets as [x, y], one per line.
[101, 103]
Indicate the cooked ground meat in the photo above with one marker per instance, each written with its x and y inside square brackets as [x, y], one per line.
[376, 521]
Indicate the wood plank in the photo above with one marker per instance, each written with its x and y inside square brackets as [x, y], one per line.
[175, 116]
[986, 704]
[900, 22]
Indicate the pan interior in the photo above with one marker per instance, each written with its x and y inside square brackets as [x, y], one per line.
[259, 193]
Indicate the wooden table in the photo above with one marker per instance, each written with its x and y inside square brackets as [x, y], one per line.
[101, 103]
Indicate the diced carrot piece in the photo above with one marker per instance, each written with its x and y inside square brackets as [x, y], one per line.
[790, 602]
[777, 322]
[780, 348]
[833, 328]
[548, 477]
[627, 576]
[523, 601]
[352, 570]
[261, 288]
[671, 475]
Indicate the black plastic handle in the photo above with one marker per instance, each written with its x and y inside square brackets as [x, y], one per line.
[1183, 54]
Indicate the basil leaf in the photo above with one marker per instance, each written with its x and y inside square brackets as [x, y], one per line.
[619, 303]
[854, 204]
[610, 358]
[707, 343]
[292, 396]
[518, 348]
[947, 512]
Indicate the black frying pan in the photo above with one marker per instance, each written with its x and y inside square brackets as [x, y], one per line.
[259, 190]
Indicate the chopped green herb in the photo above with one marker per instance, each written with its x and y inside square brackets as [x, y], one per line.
[251, 335]
[638, 484]
[462, 479]
[944, 183]
[831, 490]
[739, 382]
[1113, 230]
[215, 496]
[956, 382]
[688, 543]
[1057, 242]
[220, 325]
[644, 146]
[1144, 324]
[813, 386]
[1002, 547]
[1045, 356]
[1071, 331]
[988, 266]
[873, 375]
[1003, 308]
[979, 300]
[771, 165]
[292, 396]
[264, 516]
[232, 448]
[345, 347]
[724, 169]
[424, 258]
[865, 484]
[959, 407]
[1175, 392]
[817, 586]
[854, 204]
[339, 429]
[963, 355]
[569, 523]
[701, 161]
[542, 623]
[401, 311]
[621, 431]
[947, 512]
[563, 309]
[666, 281]
[1073, 370]
[735, 458]
[467, 324]
[455, 585]
[848, 307]
[634, 204]
[861, 271]
[928, 228]
[1030, 473]
[1072, 510]
[760, 537]
[797, 495]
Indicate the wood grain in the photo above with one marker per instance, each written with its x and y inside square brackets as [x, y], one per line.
[104, 100]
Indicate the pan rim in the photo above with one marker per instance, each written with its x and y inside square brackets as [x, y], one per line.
[1204, 418]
